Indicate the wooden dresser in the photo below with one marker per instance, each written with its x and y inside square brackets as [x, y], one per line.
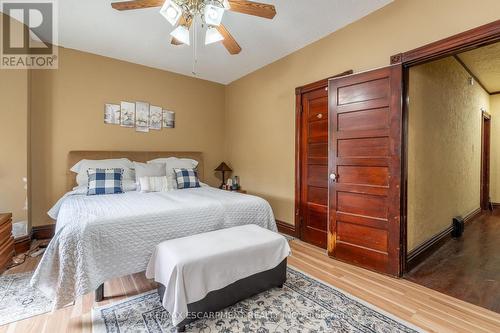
[6, 241]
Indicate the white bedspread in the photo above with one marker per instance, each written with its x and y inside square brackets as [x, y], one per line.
[102, 237]
[193, 266]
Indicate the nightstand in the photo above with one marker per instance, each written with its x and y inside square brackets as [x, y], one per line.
[6, 241]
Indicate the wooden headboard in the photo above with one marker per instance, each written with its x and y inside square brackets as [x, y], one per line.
[136, 156]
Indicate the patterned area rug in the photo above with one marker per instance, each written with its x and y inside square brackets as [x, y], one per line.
[303, 305]
[18, 300]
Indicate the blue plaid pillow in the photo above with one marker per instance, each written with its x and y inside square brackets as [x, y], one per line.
[104, 181]
[186, 178]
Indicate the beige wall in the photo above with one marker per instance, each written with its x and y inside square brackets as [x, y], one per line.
[67, 114]
[13, 141]
[495, 149]
[444, 147]
[260, 107]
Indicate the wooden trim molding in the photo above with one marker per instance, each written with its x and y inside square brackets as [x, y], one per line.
[319, 84]
[468, 40]
[43, 231]
[22, 244]
[286, 228]
[424, 250]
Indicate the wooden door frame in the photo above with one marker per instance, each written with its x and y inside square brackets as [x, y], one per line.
[465, 41]
[485, 152]
[296, 229]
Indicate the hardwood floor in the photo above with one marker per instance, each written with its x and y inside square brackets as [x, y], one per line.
[426, 308]
[467, 268]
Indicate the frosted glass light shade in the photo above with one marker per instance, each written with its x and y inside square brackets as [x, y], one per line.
[213, 15]
[213, 36]
[181, 33]
[171, 12]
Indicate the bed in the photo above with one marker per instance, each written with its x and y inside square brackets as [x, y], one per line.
[98, 238]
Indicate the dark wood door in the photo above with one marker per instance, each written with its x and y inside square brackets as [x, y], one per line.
[365, 169]
[485, 161]
[314, 166]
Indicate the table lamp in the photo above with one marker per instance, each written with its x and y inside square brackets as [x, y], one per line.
[223, 168]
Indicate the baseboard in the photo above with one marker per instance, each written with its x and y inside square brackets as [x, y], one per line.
[424, 250]
[495, 204]
[472, 215]
[286, 228]
[22, 244]
[43, 231]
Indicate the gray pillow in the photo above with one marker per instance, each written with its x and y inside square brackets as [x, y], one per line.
[149, 170]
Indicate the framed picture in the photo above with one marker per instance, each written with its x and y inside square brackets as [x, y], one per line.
[112, 114]
[155, 117]
[168, 119]
[127, 116]
[141, 117]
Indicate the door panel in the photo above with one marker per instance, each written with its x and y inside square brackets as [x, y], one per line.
[365, 157]
[314, 167]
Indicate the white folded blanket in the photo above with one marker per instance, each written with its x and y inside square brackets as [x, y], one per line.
[193, 266]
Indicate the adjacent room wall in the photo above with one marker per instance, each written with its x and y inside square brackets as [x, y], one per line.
[444, 147]
[13, 141]
[495, 149]
[67, 114]
[260, 108]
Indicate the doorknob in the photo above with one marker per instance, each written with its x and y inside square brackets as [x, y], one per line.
[333, 177]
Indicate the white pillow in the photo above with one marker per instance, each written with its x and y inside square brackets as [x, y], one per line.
[172, 163]
[154, 184]
[81, 168]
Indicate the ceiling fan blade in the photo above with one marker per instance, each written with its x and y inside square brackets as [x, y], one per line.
[137, 4]
[253, 8]
[187, 23]
[229, 42]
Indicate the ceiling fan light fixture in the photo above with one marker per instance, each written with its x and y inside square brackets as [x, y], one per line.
[213, 15]
[171, 12]
[213, 36]
[181, 33]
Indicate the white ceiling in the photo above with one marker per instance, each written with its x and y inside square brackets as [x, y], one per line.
[142, 36]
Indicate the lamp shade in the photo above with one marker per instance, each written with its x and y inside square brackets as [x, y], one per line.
[223, 167]
[213, 36]
[181, 33]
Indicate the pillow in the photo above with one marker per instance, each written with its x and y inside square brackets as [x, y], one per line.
[189, 163]
[186, 178]
[104, 181]
[149, 170]
[172, 163]
[121, 163]
[154, 184]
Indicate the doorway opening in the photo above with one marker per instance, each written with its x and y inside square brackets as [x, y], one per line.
[452, 108]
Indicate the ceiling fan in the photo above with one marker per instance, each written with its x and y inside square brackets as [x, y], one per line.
[182, 13]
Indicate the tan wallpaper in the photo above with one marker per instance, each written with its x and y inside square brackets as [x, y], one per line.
[260, 108]
[13, 141]
[495, 149]
[67, 114]
[444, 147]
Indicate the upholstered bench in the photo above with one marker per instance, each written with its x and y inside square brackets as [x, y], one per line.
[205, 273]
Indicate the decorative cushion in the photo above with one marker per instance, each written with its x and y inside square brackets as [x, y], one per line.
[186, 178]
[172, 163]
[149, 170]
[154, 184]
[104, 181]
[82, 166]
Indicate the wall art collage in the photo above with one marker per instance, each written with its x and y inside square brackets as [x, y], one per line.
[141, 115]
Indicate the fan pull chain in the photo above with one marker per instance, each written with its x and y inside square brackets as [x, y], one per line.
[195, 45]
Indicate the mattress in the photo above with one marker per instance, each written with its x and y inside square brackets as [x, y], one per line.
[98, 238]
